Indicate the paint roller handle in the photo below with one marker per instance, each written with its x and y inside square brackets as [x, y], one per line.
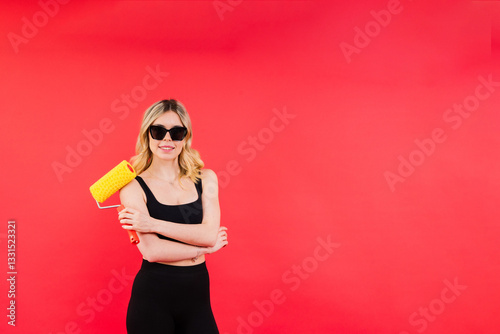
[134, 239]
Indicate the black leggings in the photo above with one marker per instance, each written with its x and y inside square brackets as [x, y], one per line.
[171, 299]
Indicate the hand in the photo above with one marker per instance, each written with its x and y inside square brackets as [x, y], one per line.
[132, 219]
[221, 240]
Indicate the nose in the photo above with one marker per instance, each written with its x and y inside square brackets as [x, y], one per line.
[167, 137]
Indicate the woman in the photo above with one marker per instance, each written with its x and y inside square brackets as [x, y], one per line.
[173, 206]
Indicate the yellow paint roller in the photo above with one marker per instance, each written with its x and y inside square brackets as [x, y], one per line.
[109, 184]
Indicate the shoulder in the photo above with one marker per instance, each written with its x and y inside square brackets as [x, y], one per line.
[209, 182]
[132, 196]
[208, 175]
[131, 189]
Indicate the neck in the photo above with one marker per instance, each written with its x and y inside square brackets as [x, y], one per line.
[166, 170]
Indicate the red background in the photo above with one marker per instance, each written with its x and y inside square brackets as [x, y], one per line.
[321, 175]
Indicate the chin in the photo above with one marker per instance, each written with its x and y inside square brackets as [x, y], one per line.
[167, 156]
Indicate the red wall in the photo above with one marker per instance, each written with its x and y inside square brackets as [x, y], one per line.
[356, 146]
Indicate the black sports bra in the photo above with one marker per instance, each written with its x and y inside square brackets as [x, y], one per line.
[189, 213]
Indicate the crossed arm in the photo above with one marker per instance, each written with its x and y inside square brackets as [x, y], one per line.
[204, 238]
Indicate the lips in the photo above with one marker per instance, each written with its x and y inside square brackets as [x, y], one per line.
[166, 148]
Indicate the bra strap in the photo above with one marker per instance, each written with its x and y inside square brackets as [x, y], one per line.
[144, 187]
[199, 187]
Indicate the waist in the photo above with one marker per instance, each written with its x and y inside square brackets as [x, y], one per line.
[177, 266]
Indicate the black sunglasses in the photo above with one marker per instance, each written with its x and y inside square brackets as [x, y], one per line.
[159, 132]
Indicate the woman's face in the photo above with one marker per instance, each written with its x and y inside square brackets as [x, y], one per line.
[166, 149]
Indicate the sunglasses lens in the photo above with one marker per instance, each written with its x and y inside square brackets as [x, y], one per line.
[178, 133]
[157, 132]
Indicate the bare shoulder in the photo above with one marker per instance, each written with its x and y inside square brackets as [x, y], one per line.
[131, 192]
[209, 183]
[208, 175]
[131, 186]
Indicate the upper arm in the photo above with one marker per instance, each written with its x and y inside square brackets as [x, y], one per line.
[210, 199]
[132, 196]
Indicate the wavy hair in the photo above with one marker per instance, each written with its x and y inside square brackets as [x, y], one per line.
[189, 159]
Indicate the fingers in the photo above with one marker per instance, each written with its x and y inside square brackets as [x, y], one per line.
[127, 210]
[223, 231]
[124, 217]
[122, 214]
[223, 236]
[127, 213]
[125, 222]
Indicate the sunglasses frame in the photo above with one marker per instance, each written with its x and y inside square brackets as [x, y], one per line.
[168, 131]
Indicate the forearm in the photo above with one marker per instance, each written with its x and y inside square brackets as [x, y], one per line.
[155, 249]
[204, 235]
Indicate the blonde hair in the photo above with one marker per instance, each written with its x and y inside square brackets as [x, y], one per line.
[189, 159]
